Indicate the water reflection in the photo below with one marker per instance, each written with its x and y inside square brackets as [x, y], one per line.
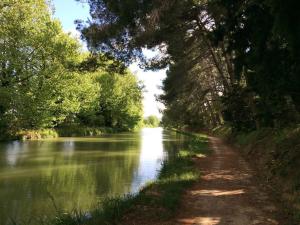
[77, 172]
[151, 156]
[12, 152]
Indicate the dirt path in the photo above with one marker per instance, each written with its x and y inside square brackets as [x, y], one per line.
[227, 193]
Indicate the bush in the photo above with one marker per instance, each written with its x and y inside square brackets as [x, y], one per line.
[36, 134]
[78, 130]
[152, 121]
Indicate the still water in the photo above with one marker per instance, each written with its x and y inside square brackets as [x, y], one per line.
[78, 172]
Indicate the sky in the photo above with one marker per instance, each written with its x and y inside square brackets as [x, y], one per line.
[67, 11]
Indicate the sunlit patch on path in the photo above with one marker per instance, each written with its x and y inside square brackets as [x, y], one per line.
[217, 192]
[202, 220]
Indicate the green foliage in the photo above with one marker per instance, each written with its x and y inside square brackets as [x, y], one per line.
[121, 100]
[36, 134]
[46, 81]
[78, 130]
[237, 112]
[263, 58]
[118, 104]
[39, 89]
[151, 121]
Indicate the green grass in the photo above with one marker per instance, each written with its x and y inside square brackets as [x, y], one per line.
[157, 201]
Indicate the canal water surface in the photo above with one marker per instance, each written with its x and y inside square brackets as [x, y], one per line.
[76, 173]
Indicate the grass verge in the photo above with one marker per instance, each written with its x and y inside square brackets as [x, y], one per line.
[68, 131]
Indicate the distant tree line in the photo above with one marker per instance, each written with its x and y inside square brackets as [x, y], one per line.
[151, 121]
[229, 61]
[47, 81]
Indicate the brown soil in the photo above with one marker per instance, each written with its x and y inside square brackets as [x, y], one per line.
[227, 193]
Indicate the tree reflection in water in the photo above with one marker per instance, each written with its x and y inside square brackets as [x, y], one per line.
[78, 172]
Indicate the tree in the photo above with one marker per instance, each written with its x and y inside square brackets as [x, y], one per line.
[46, 80]
[121, 100]
[36, 55]
[151, 121]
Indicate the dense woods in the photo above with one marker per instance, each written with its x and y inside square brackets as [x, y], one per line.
[233, 62]
[48, 81]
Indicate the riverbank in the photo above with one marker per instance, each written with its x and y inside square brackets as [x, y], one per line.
[156, 202]
[276, 154]
[69, 131]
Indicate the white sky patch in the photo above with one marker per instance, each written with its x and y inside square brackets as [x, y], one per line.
[74, 33]
[152, 81]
